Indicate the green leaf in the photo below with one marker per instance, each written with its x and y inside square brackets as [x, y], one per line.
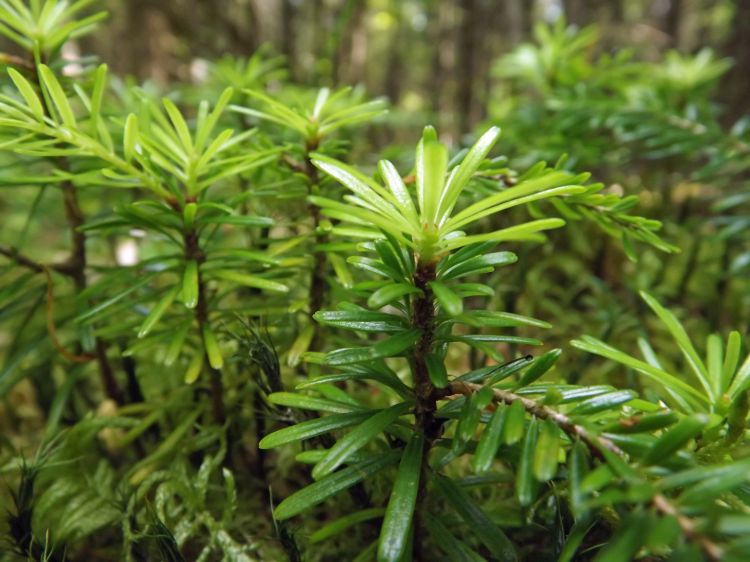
[397, 523]
[300, 346]
[206, 127]
[157, 311]
[321, 490]
[527, 232]
[130, 137]
[607, 401]
[496, 319]
[578, 468]
[176, 344]
[341, 524]
[626, 542]
[248, 280]
[546, 453]
[525, 489]
[390, 253]
[390, 347]
[718, 481]
[689, 477]
[92, 312]
[469, 417]
[28, 93]
[691, 398]
[303, 402]
[741, 380]
[496, 373]
[431, 166]
[482, 526]
[466, 169]
[551, 184]
[714, 363]
[240, 220]
[377, 198]
[514, 423]
[573, 541]
[476, 264]
[401, 194]
[676, 438]
[489, 442]
[683, 341]
[375, 266]
[342, 271]
[190, 284]
[195, 366]
[97, 95]
[213, 352]
[358, 438]
[312, 428]
[179, 124]
[436, 370]
[58, 96]
[362, 320]
[456, 549]
[448, 300]
[389, 293]
[731, 359]
[539, 367]
[642, 424]
[382, 376]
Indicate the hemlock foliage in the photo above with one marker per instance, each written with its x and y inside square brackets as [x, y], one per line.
[310, 356]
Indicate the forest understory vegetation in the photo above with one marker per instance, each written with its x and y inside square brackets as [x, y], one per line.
[235, 326]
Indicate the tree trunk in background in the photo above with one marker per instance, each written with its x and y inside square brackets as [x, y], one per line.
[440, 44]
[149, 54]
[288, 36]
[515, 13]
[735, 88]
[465, 64]
[673, 20]
[267, 13]
[349, 22]
[393, 78]
[578, 12]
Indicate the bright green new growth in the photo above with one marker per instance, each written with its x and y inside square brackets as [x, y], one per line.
[428, 226]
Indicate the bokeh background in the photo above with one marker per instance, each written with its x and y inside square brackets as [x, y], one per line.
[434, 57]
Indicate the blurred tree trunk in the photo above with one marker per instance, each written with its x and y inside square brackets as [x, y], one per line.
[149, 43]
[288, 35]
[735, 89]
[466, 63]
[517, 15]
[441, 53]
[579, 12]
[394, 77]
[349, 23]
[673, 21]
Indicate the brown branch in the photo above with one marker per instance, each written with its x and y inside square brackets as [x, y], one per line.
[52, 330]
[423, 318]
[37, 267]
[712, 550]
[14, 60]
[13, 254]
[293, 164]
[596, 444]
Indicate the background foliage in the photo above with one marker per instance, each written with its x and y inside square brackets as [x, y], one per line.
[247, 312]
